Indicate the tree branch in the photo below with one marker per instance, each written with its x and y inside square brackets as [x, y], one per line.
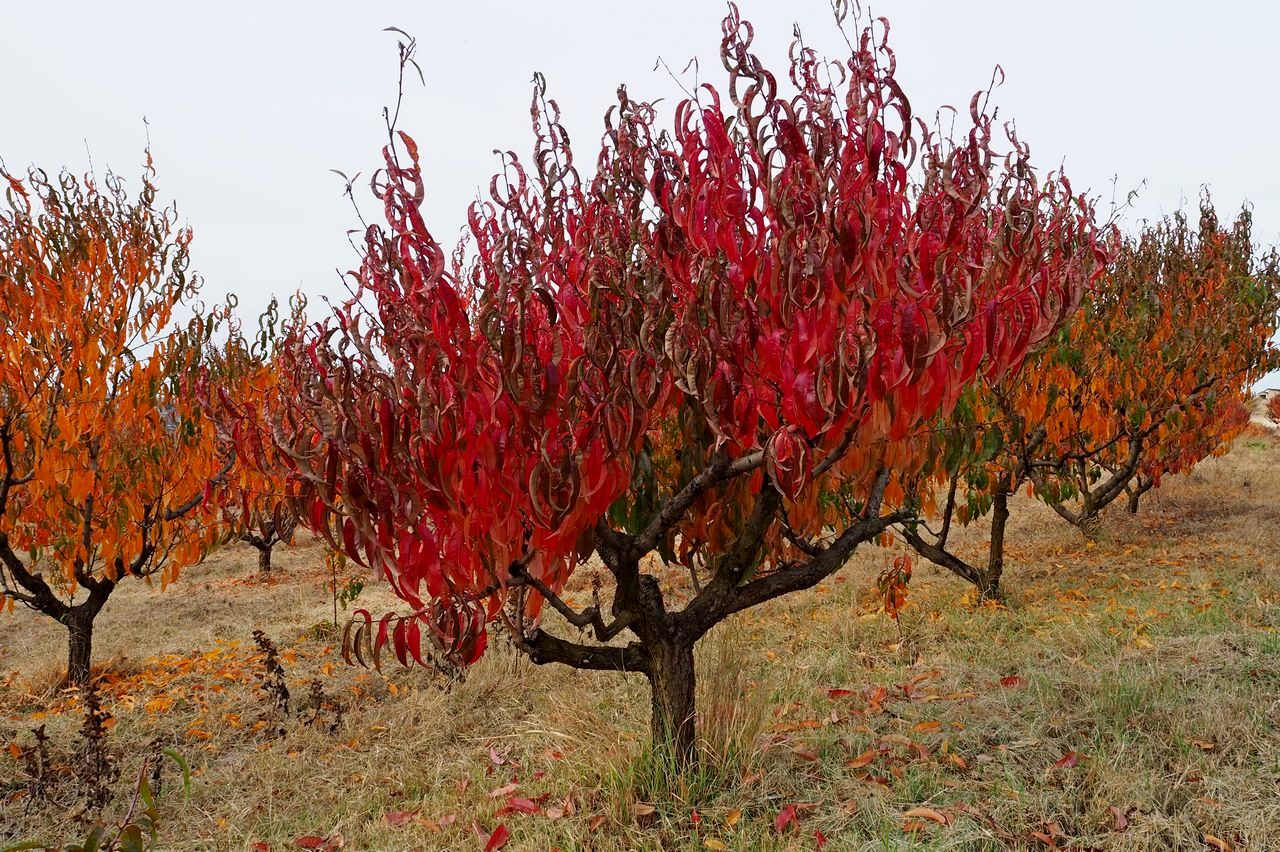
[721, 469]
[542, 648]
[589, 617]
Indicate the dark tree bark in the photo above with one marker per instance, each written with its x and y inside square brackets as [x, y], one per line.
[663, 652]
[985, 578]
[1140, 486]
[264, 544]
[672, 681]
[1094, 499]
[79, 623]
[989, 586]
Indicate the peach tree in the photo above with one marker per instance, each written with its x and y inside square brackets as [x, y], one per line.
[716, 350]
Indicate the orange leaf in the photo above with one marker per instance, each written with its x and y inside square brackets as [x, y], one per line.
[927, 813]
[864, 759]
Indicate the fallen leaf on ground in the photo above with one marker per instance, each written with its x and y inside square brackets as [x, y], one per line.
[927, 813]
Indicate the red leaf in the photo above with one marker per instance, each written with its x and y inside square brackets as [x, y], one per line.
[819, 839]
[786, 817]
[839, 693]
[1012, 681]
[524, 806]
[260, 846]
[498, 839]
[1068, 760]
[311, 841]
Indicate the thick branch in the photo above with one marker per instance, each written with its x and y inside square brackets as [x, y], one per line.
[542, 648]
[938, 555]
[41, 597]
[723, 596]
[720, 470]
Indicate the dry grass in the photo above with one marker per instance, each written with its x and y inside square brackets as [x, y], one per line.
[1150, 661]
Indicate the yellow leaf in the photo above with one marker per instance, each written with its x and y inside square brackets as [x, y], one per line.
[712, 843]
[732, 819]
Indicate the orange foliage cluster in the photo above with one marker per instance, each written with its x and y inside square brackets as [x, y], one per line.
[1150, 376]
[107, 456]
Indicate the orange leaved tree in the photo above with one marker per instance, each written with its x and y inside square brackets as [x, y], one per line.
[105, 459]
[1145, 381]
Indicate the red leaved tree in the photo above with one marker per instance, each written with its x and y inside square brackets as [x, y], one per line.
[105, 458]
[240, 391]
[714, 351]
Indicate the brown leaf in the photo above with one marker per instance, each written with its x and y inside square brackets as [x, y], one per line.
[642, 809]
[1217, 843]
[1204, 745]
[399, 818]
[732, 818]
[1122, 821]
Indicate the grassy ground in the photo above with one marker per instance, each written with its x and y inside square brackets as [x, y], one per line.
[1126, 698]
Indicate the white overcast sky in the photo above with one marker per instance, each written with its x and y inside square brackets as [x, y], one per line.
[251, 104]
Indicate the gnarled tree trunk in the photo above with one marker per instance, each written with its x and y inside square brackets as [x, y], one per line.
[672, 681]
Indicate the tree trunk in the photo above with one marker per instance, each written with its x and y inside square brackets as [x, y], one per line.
[79, 623]
[989, 587]
[1134, 498]
[673, 724]
[79, 646]
[264, 559]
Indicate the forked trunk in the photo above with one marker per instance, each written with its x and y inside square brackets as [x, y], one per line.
[78, 620]
[673, 724]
